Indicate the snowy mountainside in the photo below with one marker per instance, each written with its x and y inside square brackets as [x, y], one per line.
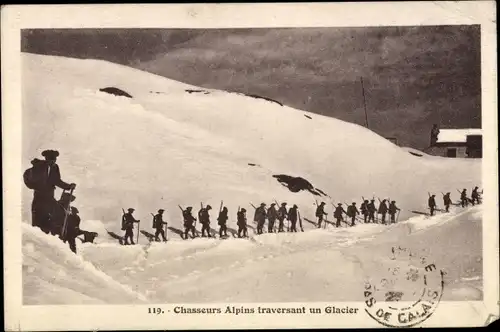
[169, 145]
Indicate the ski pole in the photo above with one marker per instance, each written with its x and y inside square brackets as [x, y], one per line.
[397, 218]
[138, 231]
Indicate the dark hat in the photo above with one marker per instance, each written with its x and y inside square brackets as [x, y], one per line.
[160, 210]
[339, 204]
[393, 202]
[189, 208]
[209, 207]
[131, 209]
[262, 204]
[465, 189]
[284, 203]
[372, 200]
[50, 154]
[65, 196]
[353, 203]
[476, 187]
[366, 200]
[74, 209]
[295, 206]
[273, 204]
[433, 195]
[322, 203]
[243, 209]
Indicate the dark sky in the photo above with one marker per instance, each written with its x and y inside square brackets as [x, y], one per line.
[413, 76]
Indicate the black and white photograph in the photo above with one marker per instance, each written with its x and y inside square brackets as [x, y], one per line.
[254, 171]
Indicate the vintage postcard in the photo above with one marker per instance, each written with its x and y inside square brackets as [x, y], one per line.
[241, 166]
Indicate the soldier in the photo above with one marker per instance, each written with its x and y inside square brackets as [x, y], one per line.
[371, 211]
[282, 215]
[463, 198]
[129, 221]
[292, 216]
[338, 214]
[272, 215]
[260, 217]
[364, 210]
[59, 212]
[222, 220]
[320, 212]
[392, 211]
[352, 211]
[432, 204]
[475, 196]
[73, 228]
[382, 209]
[205, 221]
[242, 223]
[158, 225]
[447, 201]
[43, 178]
[188, 222]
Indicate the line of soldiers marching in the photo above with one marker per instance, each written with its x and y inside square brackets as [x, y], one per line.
[464, 200]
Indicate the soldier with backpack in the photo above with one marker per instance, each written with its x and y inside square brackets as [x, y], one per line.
[392, 211]
[432, 204]
[282, 215]
[158, 225]
[338, 214]
[464, 201]
[204, 217]
[371, 211]
[364, 210]
[475, 196]
[188, 222]
[43, 178]
[382, 209]
[293, 216]
[73, 228]
[447, 201]
[59, 214]
[241, 221]
[272, 215]
[128, 221]
[222, 221]
[260, 217]
[352, 211]
[320, 212]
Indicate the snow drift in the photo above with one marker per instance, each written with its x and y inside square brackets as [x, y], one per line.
[168, 146]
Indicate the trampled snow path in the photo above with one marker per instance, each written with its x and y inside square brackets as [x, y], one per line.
[317, 265]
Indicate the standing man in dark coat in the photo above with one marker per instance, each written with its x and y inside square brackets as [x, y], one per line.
[158, 223]
[129, 221]
[188, 222]
[272, 215]
[205, 221]
[447, 201]
[222, 221]
[382, 209]
[392, 211]
[292, 216]
[282, 215]
[320, 212]
[352, 211]
[241, 221]
[432, 204]
[44, 177]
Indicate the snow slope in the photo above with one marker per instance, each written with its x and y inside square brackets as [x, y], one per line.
[168, 146]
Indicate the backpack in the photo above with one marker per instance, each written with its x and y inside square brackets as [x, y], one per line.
[319, 212]
[124, 222]
[200, 214]
[154, 221]
[33, 176]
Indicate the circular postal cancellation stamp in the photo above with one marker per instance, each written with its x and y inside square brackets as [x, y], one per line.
[406, 292]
